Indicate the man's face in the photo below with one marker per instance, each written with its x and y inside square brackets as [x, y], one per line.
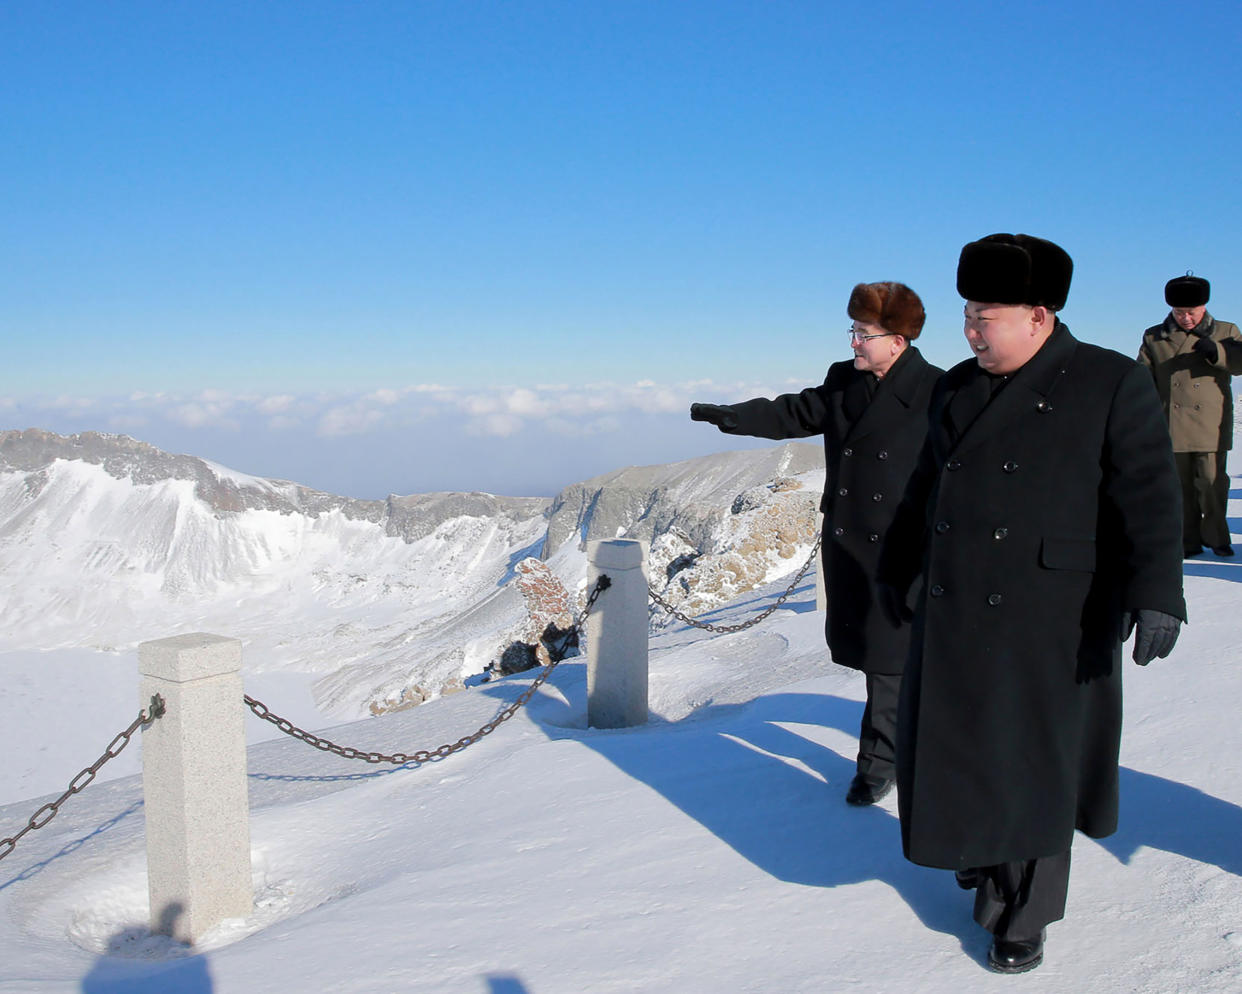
[874, 348]
[1188, 317]
[1003, 336]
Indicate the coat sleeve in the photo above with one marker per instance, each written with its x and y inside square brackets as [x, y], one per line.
[791, 415]
[1231, 351]
[1143, 493]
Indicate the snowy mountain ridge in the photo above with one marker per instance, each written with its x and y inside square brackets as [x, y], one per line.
[106, 541]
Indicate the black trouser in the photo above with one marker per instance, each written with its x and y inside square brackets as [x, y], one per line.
[1205, 499]
[877, 736]
[1016, 900]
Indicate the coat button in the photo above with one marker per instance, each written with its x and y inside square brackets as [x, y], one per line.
[877, 497]
[881, 455]
[1043, 406]
[953, 464]
[1010, 467]
[838, 531]
[847, 452]
[942, 527]
[994, 600]
[1000, 533]
[936, 590]
[843, 491]
[873, 537]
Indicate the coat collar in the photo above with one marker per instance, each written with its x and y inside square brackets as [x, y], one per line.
[974, 418]
[894, 395]
[1174, 332]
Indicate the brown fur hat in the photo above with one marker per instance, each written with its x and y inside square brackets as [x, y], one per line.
[893, 306]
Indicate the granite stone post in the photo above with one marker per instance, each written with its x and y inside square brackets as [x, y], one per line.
[194, 785]
[617, 636]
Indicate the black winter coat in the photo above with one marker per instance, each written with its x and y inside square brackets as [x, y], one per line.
[870, 448]
[1036, 520]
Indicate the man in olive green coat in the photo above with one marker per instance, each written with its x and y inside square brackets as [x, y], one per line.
[1192, 357]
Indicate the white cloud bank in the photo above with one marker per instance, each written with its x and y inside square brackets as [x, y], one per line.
[512, 438]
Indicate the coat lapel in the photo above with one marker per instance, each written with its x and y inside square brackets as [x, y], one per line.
[1181, 341]
[1030, 391]
[893, 397]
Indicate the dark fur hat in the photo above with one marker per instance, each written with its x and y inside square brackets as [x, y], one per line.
[893, 306]
[1187, 291]
[1015, 269]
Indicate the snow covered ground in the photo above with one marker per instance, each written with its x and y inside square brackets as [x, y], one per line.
[709, 851]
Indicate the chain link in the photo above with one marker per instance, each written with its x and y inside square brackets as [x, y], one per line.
[49, 811]
[730, 629]
[427, 755]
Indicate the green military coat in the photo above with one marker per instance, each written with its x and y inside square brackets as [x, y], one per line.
[1196, 394]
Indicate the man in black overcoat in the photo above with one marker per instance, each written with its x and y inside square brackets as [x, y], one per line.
[1044, 521]
[872, 412]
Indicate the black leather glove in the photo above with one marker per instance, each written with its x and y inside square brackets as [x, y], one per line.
[1206, 348]
[892, 603]
[722, 416]
[1157, 634]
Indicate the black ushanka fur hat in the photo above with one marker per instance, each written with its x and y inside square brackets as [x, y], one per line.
[1015, 269]
[1187, 291]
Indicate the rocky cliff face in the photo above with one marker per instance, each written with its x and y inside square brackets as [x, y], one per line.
[691, 498]
[717, 526]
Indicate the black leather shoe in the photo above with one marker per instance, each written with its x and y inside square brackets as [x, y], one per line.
[967, 879]
[1223, 550]
[1016, 955]
[867, 790]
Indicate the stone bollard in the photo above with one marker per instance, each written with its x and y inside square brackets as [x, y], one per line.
[617, 636]
[194, 785]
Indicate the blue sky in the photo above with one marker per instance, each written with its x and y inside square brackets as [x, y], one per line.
[383, 247]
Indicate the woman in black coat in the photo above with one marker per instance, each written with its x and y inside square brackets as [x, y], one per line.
[872, 413]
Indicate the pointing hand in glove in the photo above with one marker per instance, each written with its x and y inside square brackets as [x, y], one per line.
[722, 416]
[1206, 348]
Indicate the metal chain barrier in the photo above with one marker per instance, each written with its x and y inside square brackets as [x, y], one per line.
[48, 811]
[730, 629]
[426, 755]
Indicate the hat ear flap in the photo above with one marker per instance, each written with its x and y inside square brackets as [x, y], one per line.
[994, 271]
[866, 304]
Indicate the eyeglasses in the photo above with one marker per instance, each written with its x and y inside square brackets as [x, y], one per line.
[858, 336]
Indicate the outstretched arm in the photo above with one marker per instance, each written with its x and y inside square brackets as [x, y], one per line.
[791, 415]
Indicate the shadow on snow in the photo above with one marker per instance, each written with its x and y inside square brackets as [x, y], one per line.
[70, 847]
[776, 797]
[122, 969]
